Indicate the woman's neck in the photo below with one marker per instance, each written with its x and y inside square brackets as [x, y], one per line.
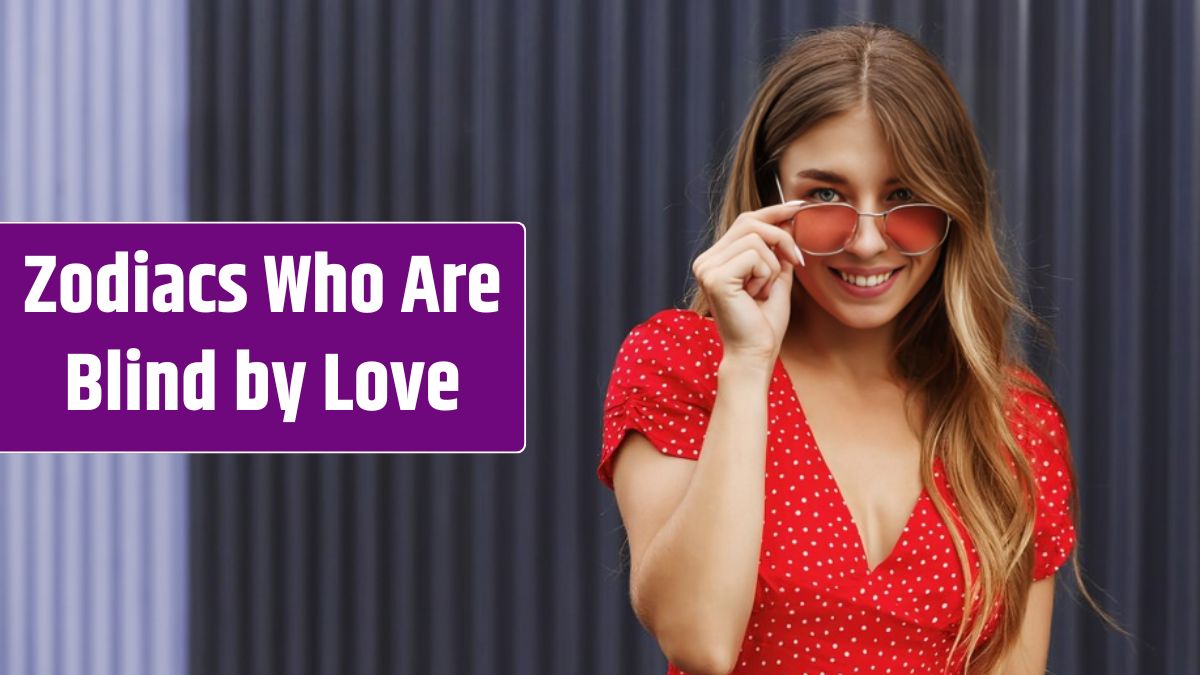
[822, 343]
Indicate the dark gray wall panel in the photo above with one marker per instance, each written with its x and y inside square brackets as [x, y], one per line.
[599, 125]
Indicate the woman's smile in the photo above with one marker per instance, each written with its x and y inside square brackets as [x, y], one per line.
[865, 286]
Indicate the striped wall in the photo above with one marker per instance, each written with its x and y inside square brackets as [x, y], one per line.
[93, 564]
[93, 109]
[93, 548]
[599, 125]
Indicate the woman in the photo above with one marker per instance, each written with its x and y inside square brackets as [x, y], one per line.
[874, 466]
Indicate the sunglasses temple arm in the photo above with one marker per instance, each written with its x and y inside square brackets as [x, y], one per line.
[783, 199]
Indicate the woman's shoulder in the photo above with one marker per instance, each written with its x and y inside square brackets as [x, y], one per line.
[677, 344]
[1036, 420]
[1030, 400]
[675, 332]
[663, 385]
[1039, 429]
[678, 321]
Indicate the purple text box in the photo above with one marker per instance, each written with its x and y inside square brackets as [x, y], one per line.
[485, 348]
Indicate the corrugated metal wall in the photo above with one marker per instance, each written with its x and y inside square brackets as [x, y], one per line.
[93, 564]
[93, 549]
[598, 125]
[94, 110]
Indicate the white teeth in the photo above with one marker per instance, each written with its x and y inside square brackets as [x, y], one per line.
[866, 282]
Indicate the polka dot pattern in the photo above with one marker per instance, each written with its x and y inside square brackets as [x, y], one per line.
[817, 606]
[1040, 431]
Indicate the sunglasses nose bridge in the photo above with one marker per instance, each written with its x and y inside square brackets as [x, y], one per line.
[881, 214]
[856, 234]
[878, 218]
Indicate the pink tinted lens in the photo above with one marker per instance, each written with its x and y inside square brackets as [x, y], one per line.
[916, 228]
[824, 228]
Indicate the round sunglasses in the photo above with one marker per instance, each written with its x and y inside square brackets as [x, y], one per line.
[826, 228]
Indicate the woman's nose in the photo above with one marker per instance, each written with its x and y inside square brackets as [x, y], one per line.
[868, 240]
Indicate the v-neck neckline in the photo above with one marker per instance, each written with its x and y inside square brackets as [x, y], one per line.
[840, 497]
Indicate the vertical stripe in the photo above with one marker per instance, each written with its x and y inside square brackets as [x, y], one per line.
[92, 559]
[602, 127]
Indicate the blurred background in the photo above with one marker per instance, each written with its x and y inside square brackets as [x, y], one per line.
[600, 126]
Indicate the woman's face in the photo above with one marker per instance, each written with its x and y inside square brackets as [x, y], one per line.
[845, 159]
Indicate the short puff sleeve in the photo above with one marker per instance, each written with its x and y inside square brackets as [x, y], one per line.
[663, 385]
[1042, 434]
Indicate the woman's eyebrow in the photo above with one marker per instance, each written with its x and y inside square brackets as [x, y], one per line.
[833, 177]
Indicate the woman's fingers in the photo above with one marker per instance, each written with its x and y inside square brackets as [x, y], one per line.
[771, 240]
[777, 213]
[751, 264]
[732, 275]
[753, 252]
[764, 274]
[775, 235]
[749, 240]
[766, 269]
[754, 285]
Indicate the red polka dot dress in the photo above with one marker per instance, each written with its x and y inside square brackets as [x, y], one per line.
[817, 606]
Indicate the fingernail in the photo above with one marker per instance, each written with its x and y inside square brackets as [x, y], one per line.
[794, 202]
[799, 255]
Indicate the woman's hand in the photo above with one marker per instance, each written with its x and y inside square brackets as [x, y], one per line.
[747, 278]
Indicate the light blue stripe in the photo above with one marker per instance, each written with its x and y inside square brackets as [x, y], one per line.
[93, 548]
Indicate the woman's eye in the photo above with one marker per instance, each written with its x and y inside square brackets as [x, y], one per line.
[820, 193]
[826, 194]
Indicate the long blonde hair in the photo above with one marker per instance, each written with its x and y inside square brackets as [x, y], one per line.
[953, 344]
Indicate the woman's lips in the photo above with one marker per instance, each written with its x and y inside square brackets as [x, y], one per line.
[865, 291]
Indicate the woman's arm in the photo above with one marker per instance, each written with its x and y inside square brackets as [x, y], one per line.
[695, 527]
[1029, 654]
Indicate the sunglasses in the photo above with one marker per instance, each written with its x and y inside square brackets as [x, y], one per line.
[826, 228]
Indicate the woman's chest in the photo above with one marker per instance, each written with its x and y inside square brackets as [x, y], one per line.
[825, 552]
